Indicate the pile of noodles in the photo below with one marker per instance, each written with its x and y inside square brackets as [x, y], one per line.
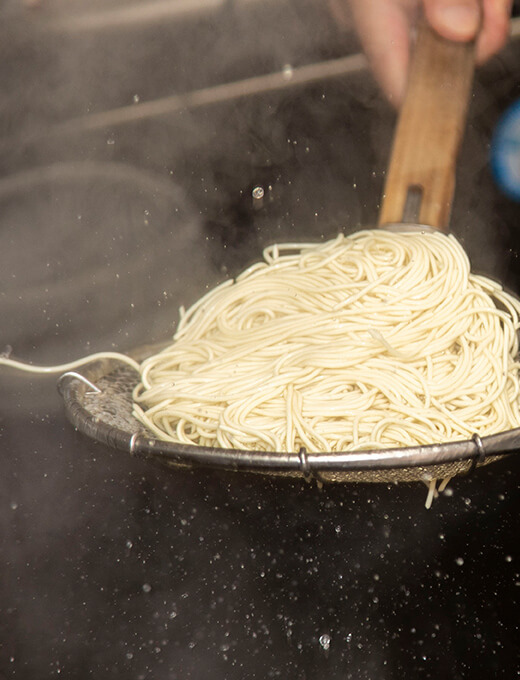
[370, 340]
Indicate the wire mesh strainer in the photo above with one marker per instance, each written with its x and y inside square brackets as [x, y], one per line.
[99, 404]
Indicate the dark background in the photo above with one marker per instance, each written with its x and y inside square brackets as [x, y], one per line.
[112, 567]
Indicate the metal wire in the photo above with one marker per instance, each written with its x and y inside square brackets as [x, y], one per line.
[93, 415]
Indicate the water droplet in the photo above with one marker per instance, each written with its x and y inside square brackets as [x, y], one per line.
[147, 587]
[325, 641]
[258, 193]
[6, 353]
[287, 71]
[111, 141]
[459, 561]
[129, 544]
[136, 99]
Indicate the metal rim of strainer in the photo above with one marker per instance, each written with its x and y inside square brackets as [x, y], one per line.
[338, 466]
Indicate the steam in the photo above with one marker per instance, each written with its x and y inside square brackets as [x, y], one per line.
[104, 233]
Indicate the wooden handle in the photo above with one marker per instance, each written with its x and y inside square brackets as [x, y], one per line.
[421, 174]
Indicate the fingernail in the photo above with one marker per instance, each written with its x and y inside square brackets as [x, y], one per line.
[459, 20]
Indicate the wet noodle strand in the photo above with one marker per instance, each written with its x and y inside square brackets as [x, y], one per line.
[370, 340]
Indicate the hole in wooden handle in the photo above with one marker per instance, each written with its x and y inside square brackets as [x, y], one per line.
[412, 204]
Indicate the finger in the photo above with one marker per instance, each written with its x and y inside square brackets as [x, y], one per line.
[495, 28]
[486, 20]
[384, 30]
[454, 19]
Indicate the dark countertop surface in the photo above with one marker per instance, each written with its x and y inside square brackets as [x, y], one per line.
[112, 567]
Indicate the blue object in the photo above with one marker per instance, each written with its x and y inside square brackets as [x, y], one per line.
[505, 152]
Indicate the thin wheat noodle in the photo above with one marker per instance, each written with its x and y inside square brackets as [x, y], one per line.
[372, 340]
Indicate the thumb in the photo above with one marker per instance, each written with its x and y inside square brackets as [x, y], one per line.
[454, 19]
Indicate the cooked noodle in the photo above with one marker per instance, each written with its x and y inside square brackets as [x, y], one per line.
[373, 340]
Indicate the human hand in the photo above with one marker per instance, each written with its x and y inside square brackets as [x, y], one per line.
[384, 28]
